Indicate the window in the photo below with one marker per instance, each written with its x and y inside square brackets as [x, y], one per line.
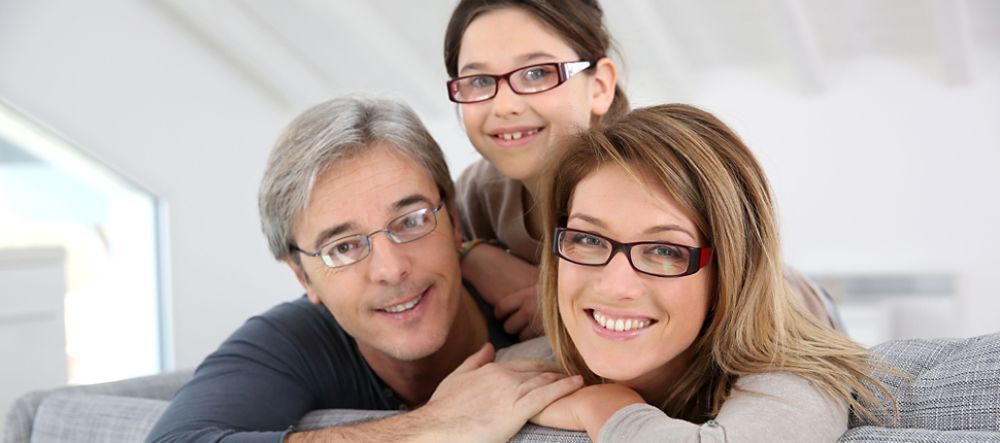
[52, 194]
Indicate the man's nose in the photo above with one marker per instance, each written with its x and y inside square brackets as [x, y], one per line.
[389, 262]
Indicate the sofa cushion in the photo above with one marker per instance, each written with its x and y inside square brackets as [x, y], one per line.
[955, 384]
[874, 434]
[21, 416]
[94, 418]
[105, 418]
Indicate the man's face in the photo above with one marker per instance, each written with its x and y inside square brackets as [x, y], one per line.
[400, 300]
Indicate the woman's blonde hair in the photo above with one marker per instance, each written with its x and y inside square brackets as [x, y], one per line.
[754, 323]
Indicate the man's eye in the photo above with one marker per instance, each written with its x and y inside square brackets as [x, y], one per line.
[346, 247]
[413, 221]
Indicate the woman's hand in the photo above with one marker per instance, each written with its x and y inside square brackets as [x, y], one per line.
[507, 283]
[588, 408]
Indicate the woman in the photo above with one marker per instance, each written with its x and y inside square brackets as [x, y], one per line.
[691, 330]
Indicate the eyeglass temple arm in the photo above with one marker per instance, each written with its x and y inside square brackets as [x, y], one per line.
[704, 257]
[571, 69]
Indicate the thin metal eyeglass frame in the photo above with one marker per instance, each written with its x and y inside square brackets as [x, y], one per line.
[697, 257]
[327, 260]
[566, 70]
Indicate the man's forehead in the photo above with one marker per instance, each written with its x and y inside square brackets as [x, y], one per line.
[365, 189]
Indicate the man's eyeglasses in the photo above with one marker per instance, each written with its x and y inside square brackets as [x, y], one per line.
[527, 80]
[660, 259]
[349, 250]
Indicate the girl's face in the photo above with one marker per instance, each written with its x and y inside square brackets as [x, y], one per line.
[515, 132]
[661, 317]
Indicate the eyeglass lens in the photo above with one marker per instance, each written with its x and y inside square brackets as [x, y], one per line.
[664, 259]
[406, 228]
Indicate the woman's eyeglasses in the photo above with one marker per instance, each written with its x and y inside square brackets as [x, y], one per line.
[660, 259]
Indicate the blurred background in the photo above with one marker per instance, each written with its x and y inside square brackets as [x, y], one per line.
[133, 135]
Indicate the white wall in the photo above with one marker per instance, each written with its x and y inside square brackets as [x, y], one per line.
[125, 83]
[886, 170]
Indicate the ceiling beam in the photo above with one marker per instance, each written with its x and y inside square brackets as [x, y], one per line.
[231, 32]
[669, 75]
[950, 19]
[373, 34]
[802, 47]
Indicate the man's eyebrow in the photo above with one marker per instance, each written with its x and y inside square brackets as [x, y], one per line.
[331, 232]
[410, 200]
[523, 60]
[652, 230]
[335, 231]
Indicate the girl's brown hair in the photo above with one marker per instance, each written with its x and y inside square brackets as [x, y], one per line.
[580, 23]
[754, 324]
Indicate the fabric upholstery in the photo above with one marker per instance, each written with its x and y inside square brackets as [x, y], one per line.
[955, 384]
[953, 395]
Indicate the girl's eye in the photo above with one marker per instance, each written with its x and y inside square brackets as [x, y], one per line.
[481, 82]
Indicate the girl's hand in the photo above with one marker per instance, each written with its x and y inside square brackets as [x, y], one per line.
[507, 283]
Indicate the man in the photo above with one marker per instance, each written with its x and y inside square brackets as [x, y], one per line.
[358, 201]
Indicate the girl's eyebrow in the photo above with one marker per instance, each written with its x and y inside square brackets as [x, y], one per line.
[652, 230]
[523, 60]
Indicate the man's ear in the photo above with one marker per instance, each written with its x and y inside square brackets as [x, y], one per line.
[603, 84]
[300, 275]
[456, 224]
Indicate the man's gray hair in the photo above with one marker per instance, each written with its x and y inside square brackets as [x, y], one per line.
[330, 132]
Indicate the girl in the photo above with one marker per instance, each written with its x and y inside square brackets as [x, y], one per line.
[525, 74]
[665, 290]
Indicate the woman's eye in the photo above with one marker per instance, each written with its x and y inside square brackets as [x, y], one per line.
[666, 252]
[587, 240]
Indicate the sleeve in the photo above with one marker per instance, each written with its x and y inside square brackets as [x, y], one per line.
[776, 407]
[252, 389]
[473, 209]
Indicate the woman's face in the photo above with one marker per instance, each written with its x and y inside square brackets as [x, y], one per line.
[513, 131]
[662, 316]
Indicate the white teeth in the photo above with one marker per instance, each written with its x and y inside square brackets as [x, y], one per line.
[619, 325]
[403, 306]
[516, 135]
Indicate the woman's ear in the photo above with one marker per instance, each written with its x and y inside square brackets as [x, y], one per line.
[603, 84]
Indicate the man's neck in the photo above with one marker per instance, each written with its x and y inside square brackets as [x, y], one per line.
[415, 381]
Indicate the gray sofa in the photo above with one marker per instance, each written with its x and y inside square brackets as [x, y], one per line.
[953, 396]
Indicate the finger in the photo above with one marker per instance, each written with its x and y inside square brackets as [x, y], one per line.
[533, 402]
[534, 329]
[517, 321]
[530, 365]
[481, 357]
[538, 380]
[510, 303]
